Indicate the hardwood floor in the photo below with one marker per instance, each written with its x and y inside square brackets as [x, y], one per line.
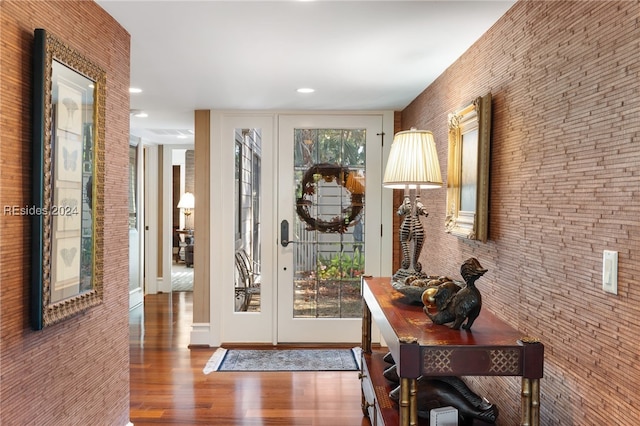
[168, 385]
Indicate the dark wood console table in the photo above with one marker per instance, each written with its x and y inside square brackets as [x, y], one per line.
[421, 348]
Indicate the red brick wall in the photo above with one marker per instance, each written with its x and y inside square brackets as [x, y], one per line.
[398, 198]
[75, 372]
[565, 185]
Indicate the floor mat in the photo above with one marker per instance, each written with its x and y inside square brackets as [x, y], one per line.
[284, 360]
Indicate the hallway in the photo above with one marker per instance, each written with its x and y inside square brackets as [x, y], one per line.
[169, 387]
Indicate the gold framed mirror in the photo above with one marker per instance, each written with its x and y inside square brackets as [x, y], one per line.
[468, 170]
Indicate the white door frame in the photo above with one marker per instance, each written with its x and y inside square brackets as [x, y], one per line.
[164, 284]
[151, 191]
[223, 319]
[137, 236]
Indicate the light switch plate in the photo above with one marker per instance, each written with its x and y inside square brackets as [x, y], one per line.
[610, 271]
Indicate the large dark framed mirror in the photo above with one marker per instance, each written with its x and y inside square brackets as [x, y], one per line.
[67, 208]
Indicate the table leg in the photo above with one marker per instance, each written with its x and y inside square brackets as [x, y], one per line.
[535, 402]
[366, 329]
[525, 399]
[530, 398]
[408, 402]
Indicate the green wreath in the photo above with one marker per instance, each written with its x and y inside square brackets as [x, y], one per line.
[344, 177]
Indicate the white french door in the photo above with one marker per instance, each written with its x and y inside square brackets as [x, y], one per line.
[308, 291]
[329, 215]
[242, 295]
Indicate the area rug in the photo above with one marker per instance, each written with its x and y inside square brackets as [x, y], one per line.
[182, 281]
[284, 360]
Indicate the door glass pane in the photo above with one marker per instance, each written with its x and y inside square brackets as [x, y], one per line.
[329, 172]
[248, 155]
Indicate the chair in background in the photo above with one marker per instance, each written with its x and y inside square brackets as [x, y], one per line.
[247, 282]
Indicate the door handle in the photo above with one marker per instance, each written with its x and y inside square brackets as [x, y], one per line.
[284, 233]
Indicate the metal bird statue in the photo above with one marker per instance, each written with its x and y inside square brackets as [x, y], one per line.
[466, 303]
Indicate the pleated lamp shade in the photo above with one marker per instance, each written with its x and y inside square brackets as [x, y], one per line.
[413, 161]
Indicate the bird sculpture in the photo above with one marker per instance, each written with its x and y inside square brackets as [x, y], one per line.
[464, 304]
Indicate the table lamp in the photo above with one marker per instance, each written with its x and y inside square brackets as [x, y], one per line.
[412, 165]
[187, 203]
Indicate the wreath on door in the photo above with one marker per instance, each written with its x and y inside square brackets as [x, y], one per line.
[349, 179]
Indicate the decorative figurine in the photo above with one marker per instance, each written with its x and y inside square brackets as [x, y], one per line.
[435, 392]
[464, 304]
[411, 231]
[405, 231]
[440, 294]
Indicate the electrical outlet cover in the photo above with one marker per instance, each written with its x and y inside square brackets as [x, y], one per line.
[443, 416]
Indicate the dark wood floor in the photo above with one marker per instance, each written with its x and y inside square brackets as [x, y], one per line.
[168, 385]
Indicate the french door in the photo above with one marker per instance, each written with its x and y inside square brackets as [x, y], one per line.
[242, 291]
[296, 224]
[328, 219]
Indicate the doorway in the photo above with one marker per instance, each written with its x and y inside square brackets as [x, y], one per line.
[306, 290]
[325, 203]
[182, 218]
[136, 224]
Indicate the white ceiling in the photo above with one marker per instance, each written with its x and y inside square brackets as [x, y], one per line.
[253, 55]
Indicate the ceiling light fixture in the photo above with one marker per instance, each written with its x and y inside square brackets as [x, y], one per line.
[138, 113]
[306, 90]
[134, 90]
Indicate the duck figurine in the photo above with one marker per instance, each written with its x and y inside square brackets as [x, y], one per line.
[465, 304]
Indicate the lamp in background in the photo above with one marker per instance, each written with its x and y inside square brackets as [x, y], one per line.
[187, 203]
[413, 165]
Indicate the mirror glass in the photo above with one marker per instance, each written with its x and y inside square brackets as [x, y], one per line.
[71, 209]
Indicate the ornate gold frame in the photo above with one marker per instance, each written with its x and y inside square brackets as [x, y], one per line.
[53, 142]
[468, 175]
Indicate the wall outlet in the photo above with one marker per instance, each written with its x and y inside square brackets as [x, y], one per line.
[443, 416]
[610, 271]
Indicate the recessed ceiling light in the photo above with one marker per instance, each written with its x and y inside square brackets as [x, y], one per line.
[306, 90]
[134, 90]
[138, 113]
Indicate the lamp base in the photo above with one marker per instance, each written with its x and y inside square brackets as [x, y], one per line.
[403, 273]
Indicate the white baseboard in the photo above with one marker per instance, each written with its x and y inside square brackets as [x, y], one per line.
[135, 298]
[160, 285]
[200, 334]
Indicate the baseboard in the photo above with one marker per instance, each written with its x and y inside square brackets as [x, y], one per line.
[135, 298]
[200, 334]
[163, 286]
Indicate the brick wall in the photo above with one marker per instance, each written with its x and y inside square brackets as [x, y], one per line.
[565, 185]
[75, 372]
[398, 198]
[190, 169]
